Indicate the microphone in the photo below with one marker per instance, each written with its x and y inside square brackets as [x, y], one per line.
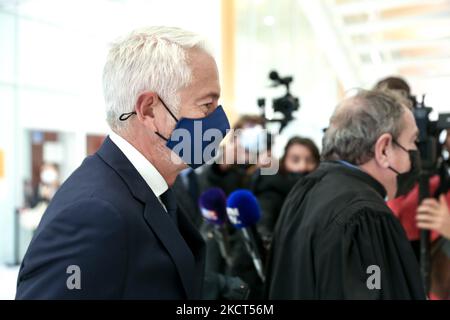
[212, 205]
[243, 212]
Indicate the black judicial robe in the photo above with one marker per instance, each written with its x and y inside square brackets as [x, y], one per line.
[333, 228]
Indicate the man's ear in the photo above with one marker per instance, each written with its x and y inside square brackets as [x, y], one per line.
[145, 108]
[382, 150]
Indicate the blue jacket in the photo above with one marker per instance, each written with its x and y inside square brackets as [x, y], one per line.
[106, 236]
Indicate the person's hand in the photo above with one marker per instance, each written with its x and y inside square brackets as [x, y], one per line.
[434, 215]
[265, 159]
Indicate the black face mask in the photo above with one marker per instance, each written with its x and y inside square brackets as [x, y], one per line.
[407, 180]
[296, 175]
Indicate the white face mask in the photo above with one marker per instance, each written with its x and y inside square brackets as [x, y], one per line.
[253, 139]
[49, 176]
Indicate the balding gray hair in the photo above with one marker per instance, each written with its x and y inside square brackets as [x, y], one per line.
[359, 121]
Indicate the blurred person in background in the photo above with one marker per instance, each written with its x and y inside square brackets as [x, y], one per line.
[396, 84]
[234, 170]
[49, 182]
[431, 214]
[240, 157]
[301, 156]
[434, 215]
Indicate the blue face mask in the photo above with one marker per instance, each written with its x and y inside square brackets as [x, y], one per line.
[195, 141]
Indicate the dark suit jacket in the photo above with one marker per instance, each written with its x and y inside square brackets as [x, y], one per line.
[106, 220]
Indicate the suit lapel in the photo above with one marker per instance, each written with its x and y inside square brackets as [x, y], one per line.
[165, 229]
[156, 217]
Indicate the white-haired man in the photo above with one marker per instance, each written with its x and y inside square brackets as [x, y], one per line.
[113, 230]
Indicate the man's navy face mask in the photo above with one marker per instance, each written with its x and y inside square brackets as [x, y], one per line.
[195, 141]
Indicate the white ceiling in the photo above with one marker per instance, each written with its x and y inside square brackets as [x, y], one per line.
[364, 39]
[410, 38]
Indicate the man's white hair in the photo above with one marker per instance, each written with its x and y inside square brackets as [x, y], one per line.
[148, 59]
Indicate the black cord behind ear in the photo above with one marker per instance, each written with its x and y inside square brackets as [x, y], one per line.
[126, 116]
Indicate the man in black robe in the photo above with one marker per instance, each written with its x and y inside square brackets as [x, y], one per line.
[336, 238]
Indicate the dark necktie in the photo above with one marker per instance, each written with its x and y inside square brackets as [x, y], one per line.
[169, 201]
[193, 186]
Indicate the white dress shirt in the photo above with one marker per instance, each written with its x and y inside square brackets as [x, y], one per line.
[147, 171]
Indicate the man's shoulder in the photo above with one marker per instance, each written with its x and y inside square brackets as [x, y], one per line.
[360, 207]
[93, 183]
[93, 176]
[326, 200]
